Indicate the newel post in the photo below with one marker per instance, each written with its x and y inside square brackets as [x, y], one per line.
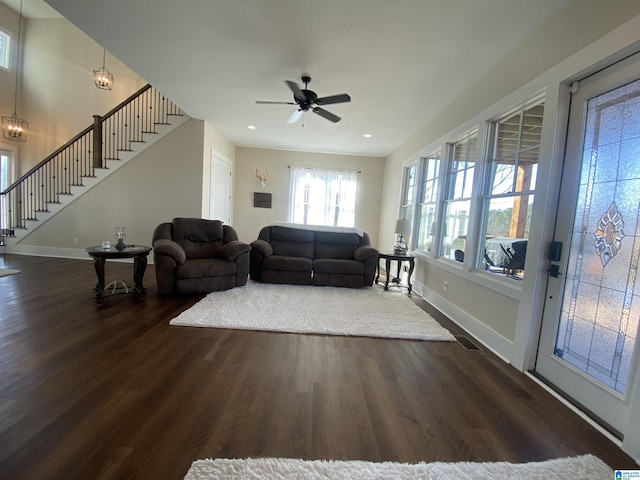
[97, 141]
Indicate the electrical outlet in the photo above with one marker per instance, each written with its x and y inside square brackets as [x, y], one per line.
[445, 285]
[75, 240]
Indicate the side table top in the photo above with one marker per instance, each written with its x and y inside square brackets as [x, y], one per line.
[128, 252]
[393, 255]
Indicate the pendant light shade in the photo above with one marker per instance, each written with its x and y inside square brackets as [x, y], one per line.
[102, 76]
[15, 128]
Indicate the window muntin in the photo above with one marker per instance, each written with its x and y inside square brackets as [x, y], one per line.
[457, 204]
[512, 175]
[408, 192]
[428, 203]
[5, 50]
[323, 197]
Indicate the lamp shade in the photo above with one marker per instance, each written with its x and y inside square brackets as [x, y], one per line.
[403, 227]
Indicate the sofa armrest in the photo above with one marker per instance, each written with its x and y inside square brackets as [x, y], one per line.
[361, 254]
[171, 249]
[265, 248]
[234, 249]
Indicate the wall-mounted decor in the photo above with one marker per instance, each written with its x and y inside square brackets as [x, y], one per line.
[261, 200]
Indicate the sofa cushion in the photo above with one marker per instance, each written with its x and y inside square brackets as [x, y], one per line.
[338, 267]
[205, 268]
[292, 242]
[197, 230]
[336, 245]
[284, 263]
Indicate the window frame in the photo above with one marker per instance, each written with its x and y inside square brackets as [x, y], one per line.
[6, 54]
[490, 162]
[421, 203]
[447, 197]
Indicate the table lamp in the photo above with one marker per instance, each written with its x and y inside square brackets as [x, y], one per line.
[403, 228]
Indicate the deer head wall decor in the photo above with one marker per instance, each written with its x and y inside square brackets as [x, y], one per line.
[263, 177]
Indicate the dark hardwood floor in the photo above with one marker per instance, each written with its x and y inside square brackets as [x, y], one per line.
[114, 392]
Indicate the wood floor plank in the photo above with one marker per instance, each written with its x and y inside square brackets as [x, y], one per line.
[114, 392]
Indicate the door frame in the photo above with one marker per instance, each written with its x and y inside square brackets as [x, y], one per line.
[218, 156]
[630, 442]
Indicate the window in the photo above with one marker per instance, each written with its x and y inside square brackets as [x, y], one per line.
[428, 201]
[322, 197]
[508, 201]
[5, 50]
[457, 203]
[408, 192]
[6, 178]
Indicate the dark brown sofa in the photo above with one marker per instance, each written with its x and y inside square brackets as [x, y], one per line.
[194, 255]
[308, 257]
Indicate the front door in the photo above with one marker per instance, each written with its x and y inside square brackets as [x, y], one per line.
[588, 340]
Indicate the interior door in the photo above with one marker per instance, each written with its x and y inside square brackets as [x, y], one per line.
[589, 329]
[220, 207]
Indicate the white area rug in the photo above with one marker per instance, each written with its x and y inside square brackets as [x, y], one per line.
[586, 467]
[7, 271]
[365, 312]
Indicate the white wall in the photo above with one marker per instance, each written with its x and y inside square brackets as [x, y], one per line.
[162, 182]
[249, 219]
[502, 315]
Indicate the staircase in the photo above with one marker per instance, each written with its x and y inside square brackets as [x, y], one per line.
[84, 161]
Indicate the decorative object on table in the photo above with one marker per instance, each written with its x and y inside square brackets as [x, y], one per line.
[102, 77]
[15, 128]
[106, 245]
[585, 467]
[262, 177]
[306, 309]
[121, 236]
[403, 229]
[261, 200]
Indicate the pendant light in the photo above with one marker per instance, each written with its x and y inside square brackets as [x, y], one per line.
[102, 76]
[15, 128]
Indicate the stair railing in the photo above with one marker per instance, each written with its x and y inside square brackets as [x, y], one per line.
[78, 158]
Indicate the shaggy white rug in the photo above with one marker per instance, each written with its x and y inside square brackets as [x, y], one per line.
[4, 272]
[585, 467]
[365, 312]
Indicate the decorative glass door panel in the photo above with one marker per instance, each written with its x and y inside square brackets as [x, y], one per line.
[592, 309]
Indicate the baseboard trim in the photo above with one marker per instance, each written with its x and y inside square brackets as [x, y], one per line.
[59, 252]
[490, 339]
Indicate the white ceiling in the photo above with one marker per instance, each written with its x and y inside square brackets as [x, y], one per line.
[402, 61]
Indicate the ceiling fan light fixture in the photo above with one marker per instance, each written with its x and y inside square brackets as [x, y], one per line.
[367, 135]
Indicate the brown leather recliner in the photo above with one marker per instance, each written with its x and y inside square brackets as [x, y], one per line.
[194, 255]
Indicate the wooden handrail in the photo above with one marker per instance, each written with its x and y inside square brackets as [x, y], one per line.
[109, 134]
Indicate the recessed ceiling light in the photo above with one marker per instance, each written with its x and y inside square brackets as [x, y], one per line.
[367, 135]
[251, 127]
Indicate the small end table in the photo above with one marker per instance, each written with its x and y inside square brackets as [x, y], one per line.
[137, 252]
[399, 258]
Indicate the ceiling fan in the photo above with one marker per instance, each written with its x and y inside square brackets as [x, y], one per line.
[309, 100]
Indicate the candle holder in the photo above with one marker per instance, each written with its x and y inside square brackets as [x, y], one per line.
[121, 235]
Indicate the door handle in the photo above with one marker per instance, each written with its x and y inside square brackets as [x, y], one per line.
[554, 271]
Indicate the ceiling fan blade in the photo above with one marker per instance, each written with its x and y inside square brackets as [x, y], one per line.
[297, 93]
[262, 102]
[328, 115]
[341, 98]
[295, 116]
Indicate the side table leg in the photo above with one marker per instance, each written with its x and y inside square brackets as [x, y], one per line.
[377, 271]
[411, 265]
[139, 266]
[98, 263]
[388, 269]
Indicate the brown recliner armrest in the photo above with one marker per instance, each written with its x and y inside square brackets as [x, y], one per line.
[234, 249]
[171, 249]
[265, 248]
[364, 252]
